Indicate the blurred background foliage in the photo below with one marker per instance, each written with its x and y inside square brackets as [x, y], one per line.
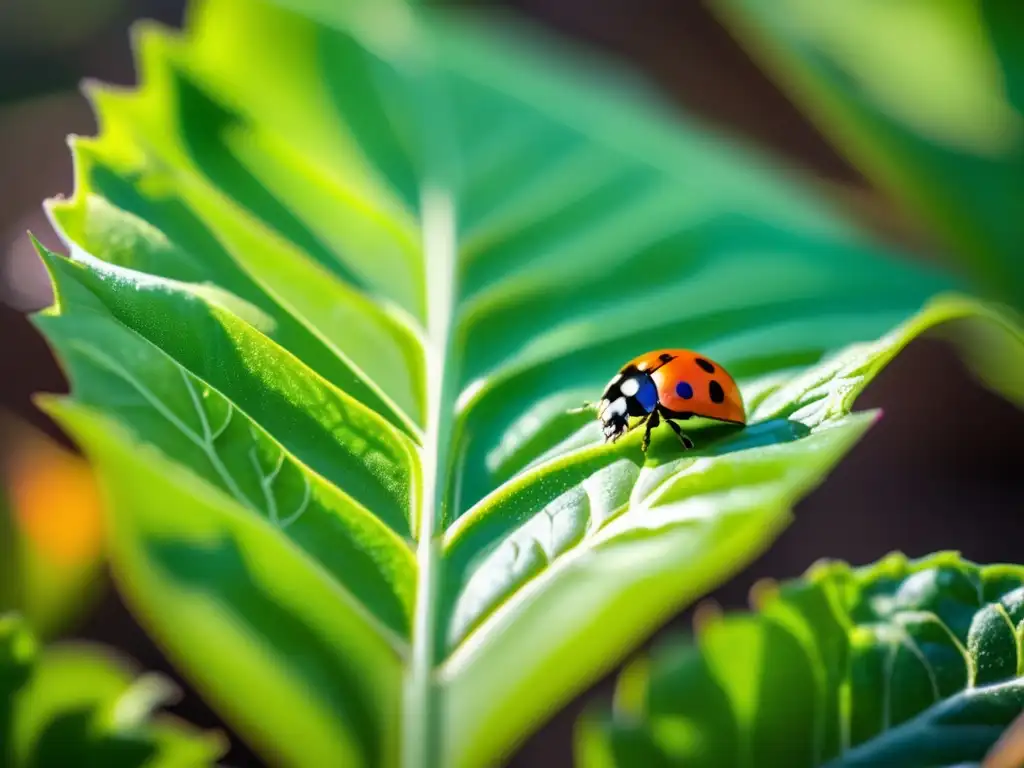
[925, 98]
[920, 142]
[50, 529]
[43, 46]
[799, 682]
[74, 703]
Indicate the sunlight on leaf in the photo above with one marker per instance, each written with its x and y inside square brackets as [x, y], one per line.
[911, 663]
[354, 489]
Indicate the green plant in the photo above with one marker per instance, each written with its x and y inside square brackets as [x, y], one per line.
[909, 663]
[77, 704]
[932, 647]
[939, 124]
[336, 274]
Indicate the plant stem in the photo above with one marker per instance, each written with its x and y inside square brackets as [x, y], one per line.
[421, 746]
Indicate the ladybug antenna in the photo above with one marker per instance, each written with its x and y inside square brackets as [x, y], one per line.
[587, 406]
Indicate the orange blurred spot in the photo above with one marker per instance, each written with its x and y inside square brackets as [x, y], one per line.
[1008, 752]
[55, 499]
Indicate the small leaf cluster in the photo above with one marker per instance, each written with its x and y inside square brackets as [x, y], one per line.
[905, 662]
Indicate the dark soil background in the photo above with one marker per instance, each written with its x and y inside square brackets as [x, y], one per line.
[941, 470]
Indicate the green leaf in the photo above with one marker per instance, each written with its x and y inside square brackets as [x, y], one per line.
[77, 704]
[326, 310]
[926, 98]
[910, 663]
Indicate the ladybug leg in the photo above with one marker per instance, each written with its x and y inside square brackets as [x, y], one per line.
[652, 422]
[587, 406]
[687, 442]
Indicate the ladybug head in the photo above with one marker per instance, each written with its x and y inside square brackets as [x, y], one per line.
[631, 392]
[614, 416]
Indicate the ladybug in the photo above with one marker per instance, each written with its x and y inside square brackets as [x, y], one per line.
[667, 385]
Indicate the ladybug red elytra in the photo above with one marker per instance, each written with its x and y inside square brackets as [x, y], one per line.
[668, 385]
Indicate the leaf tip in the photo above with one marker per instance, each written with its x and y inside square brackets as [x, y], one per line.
[90, 86]
[53, 208]
[762, 593]
[894, 565]
[826, 568]
[706, 615]
[47, 256]
[57, 407]
[629, 700]
[54, 200]
[99, 94]
[40, 248]
[943, 557]
[47, 402]
[149, 41]
[149, 692]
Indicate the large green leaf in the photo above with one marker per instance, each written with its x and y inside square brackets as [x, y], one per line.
[338, 272]
[910, 663]
[926, 97]
[77, 704]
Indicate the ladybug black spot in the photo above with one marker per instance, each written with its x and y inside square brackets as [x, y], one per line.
[704, 365]
[665, 357]
[684, 390]
[715, 390]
